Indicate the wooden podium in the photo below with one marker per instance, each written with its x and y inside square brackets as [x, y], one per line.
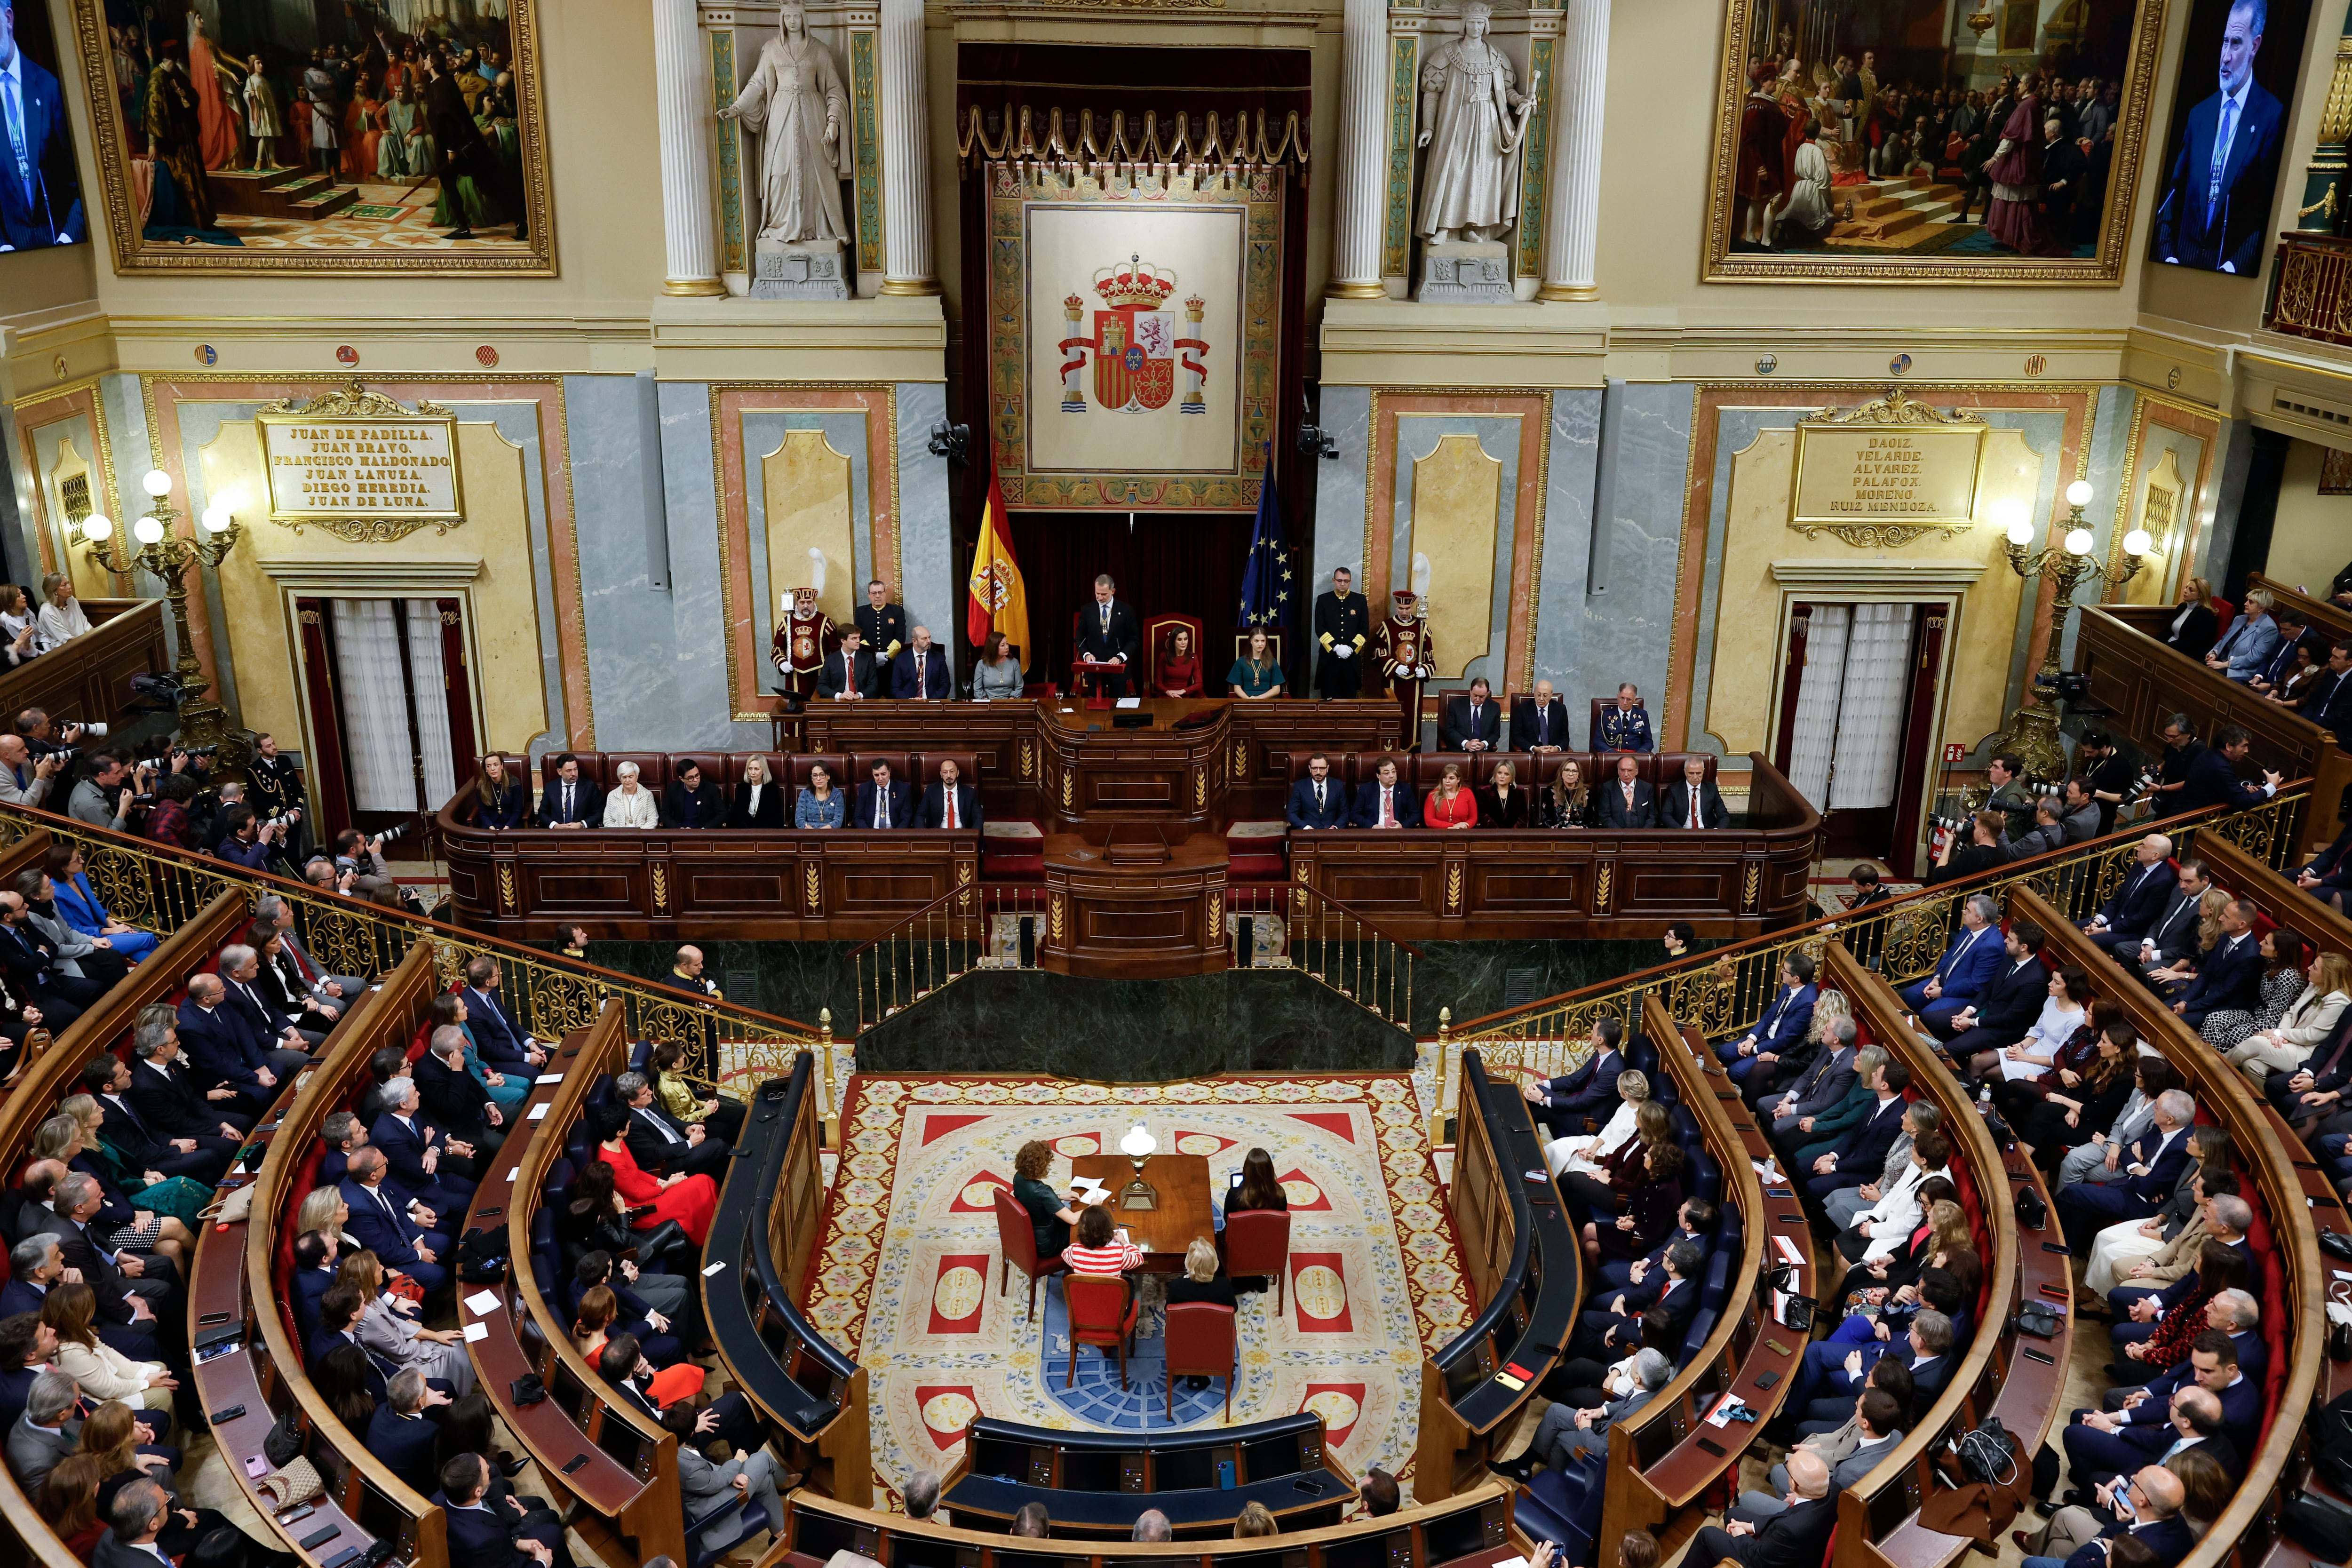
[1132, 905]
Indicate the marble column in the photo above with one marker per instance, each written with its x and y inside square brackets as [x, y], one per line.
[690, 149]
[1572, 203]
[905, 153]
[1363, 151]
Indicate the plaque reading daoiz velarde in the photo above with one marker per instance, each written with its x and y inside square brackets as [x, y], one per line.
[360, 465]
[1887, 473]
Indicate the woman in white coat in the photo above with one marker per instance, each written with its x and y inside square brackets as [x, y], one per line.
[2310, 1019]
[1585, 1154]
[1878, 1231]
[103, 1371]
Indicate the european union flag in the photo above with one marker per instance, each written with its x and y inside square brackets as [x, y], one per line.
[1266, 580]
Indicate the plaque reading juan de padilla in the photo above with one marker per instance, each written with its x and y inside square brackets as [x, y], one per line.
[361, 465]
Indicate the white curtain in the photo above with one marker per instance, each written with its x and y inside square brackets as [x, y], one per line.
[375, 706]
[1870, 708]
[1815, 741]
[431, 686]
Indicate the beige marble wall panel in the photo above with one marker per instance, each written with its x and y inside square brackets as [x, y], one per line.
[1457, 492]
[805, 484]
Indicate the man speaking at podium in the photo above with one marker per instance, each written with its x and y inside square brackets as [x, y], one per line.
[1108, 634]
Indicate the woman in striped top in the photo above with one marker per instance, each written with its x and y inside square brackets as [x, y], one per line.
[1096, 1251]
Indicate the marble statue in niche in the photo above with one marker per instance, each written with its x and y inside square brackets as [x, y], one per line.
[1473, 123]
[797, 104]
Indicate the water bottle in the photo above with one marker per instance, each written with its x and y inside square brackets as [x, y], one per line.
[1984, 1098]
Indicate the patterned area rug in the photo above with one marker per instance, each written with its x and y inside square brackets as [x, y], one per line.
[906, 1270]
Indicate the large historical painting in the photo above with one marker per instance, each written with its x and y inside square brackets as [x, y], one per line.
[2238, 73]
[40, 193]
[320, 135]
[1135, 333]
[1899, 141]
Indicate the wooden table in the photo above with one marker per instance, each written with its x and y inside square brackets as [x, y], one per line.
[1183, 1182]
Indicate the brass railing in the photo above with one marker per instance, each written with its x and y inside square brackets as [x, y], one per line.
[955, 935]
[1719, 992]
[158, 887]
[1329, 942]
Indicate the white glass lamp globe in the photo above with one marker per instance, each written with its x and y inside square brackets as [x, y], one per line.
[2078, 541]
[2137, 543]
[156, 483]
[217, 520]
[147, 531]
[98, 525]
[1138, 1143]
[2079, 493]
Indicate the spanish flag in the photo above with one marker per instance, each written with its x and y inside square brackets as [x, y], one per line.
[998, 600]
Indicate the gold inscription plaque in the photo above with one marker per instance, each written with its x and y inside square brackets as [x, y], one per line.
[1886, 472]
[360, 465]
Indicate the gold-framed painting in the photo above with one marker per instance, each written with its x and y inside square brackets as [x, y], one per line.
[376, 136]
[1884, 140]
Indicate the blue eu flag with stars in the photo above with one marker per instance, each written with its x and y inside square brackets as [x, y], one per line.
[1266, 580]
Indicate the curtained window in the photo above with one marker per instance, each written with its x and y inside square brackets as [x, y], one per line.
[429, 684]
[374, 705]
[1815, 741]
[1871, 706]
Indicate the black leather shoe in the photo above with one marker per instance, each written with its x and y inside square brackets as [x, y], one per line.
[510, 1468]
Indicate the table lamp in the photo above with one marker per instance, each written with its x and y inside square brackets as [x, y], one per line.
[1138, 1146]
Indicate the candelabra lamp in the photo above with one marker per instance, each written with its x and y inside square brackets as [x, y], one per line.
[2065, 560]
[165, 553]
[1138, 1146]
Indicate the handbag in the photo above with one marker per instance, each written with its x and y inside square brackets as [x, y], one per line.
[283, 1445]
[231, 1207]
[2032, 1209]
[296, 1482]
[2041, 1319]
[1988, 1454]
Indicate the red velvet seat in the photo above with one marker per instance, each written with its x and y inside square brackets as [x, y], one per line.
[1158, 637]
[1200, 1343]
[1257, 1243]
[1018, 1237]
[1102, 1313]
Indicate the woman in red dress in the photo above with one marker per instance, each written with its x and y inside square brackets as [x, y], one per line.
[1449, 805]
[689, 1200]
[1180, 665]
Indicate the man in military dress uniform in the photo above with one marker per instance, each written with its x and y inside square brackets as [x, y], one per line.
[881, 624]
[1406, 652]
[1625, 724]
[1342, 623]
[277, 789]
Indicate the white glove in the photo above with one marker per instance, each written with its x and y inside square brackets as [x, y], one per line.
[1422, 673]
[1341, 651]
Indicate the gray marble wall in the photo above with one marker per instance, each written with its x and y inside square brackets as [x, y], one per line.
[1346, 415]
[1628, 616]
[933, 592]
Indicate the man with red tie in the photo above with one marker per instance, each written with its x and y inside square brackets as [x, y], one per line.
[1692, 801]
[1387, 803]
[951, 804]
[920, 673]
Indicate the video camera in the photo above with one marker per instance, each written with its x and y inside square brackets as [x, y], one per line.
[161, 692]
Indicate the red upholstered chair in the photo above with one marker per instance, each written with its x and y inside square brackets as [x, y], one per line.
[2224, 613]
[1158, 637]
[1018, 1237]
[1200, 1343]
[1257, 1242]
[1102, 1313]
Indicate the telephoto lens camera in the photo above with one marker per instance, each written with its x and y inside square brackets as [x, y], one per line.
[280, 823]
[62, 753]
[199, 751]
[1948, 823]
[394, 834]
[90, 732]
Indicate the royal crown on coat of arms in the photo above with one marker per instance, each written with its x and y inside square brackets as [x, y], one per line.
[1137, 351]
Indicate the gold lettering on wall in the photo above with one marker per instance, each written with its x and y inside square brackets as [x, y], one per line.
[360, 465]
[1886, 473]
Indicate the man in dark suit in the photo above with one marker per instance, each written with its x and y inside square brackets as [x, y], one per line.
[1108, 633]
[381, 1222]
[881, 624]
[851, 672]
[658, 1142]
[1319, 800]
[286, 1039]
[399, 1436]
[1970, 959]
[2139, 901]
[1580, 1101]
[1386, 802]
[884, 803]
[920, 673]
[569, 800]
[730, 1418]
[1627, 801]
[40, 204]
[30, 1281]
[2077, 1535]
[427, 1162]
[107, 1080]
[1783, 1027]
[1794, 1538]
[2232, 975]
[129, 1288]
[137, 1516]
[455, 1100]
[498, 1039]
[223, 1048]
[1604, 1333]
[1693, 1223]
[1814, 1088]
[1832, 1372]
[490, 1526]
[2213, 776]
[2153, 1164]
[30, 967]
[2172, 935]
[2328, 701]
[1473, 723]
[1999, 1015]
[951, 803]
[1540, 723]
[691, 801]
[1862, 1146]
[314, 1275]
[2217, 198]
[1343, 620]
[1691, 800]
[168, 1099]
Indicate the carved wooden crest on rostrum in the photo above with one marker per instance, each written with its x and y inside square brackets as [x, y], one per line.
[359, 522]
[1895, 411]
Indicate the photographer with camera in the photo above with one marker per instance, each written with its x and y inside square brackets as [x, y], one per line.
[109, 794]
[248, 841]
[42, 737]
[23, 781]
[2101, 765]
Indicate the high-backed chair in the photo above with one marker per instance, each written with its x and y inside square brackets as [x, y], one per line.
[1017, 1235]
[1200, 1343]
[835, 763]
[1102, 1314]
[1257, 1242]
[1593, 735]
[1159, 633]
